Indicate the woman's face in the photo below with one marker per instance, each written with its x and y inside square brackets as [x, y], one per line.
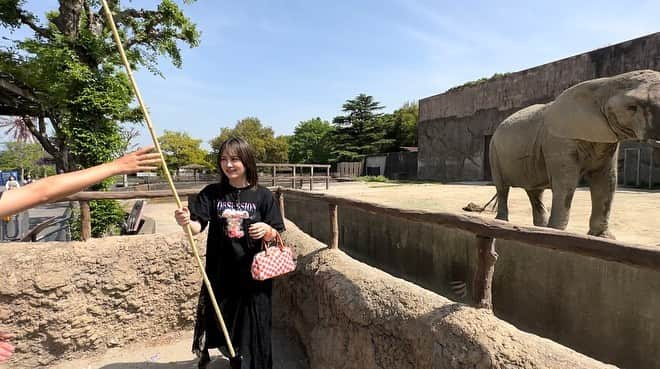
[232, 165]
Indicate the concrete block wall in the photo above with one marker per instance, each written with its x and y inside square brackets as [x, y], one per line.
[453, 125]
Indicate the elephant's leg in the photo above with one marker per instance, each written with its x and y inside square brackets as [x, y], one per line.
[539, 211]
[564, 174]
[502, 203]
[602, 185]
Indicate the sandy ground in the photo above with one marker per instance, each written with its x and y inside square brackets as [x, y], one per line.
[635, 214]
[173, 352]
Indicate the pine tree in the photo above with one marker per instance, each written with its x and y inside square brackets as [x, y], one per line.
[359, 132]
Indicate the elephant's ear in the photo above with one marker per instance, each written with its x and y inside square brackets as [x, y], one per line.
[577, 114]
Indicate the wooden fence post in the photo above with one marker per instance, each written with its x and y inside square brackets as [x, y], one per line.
[334, 227]
[327, 178]
[86, 221]
[280, 200]
[311, 177]
[293, 182]
[483, 279]
[274, 175]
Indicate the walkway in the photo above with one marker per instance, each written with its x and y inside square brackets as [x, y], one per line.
[173, 352]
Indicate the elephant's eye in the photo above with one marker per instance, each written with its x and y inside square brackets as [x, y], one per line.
[632, 108]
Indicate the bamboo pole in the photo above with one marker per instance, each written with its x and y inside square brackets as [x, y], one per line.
[147, 119]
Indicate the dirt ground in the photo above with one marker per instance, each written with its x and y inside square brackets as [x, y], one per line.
[173, 352]
[635, 214]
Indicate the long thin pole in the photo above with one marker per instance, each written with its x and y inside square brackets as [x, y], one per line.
[147, 118]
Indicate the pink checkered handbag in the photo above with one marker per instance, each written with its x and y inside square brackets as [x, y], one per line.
[273, 261]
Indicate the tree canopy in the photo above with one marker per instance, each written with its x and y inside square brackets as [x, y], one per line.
[180, 149]
[401, 126]
[24, 156]
[267, 147]
[66, 80]
[310, 143]
[359, 132]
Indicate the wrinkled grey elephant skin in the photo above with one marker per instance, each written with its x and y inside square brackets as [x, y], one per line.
[577, 135]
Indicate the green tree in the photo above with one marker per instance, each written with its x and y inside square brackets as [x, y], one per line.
[310, 142]
[267, 147]
[21, 155]
[68, 74]
[180, 149]
[401, 126]
[360, 131]
[67, 79]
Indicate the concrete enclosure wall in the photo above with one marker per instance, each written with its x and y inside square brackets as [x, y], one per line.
[603, 309]
[454, 127]
[352, 316]
[66, 300]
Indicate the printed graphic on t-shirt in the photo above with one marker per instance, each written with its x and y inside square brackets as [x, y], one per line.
[234, 215]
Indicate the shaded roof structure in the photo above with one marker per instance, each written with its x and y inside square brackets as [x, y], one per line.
[16, 98]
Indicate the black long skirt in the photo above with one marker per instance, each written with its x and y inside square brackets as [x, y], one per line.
[247, 312]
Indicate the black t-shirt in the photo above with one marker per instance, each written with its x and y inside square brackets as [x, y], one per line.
[228, 212]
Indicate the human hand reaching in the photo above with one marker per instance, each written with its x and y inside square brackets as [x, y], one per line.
[6, 348]
[143, 159]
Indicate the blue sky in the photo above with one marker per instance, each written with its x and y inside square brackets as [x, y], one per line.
[289, 61]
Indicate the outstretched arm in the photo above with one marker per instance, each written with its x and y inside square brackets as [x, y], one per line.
[55, 187]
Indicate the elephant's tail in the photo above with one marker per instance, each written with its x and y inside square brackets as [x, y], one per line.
[476, 208]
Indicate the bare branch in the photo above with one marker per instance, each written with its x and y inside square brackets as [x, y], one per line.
[29, 20]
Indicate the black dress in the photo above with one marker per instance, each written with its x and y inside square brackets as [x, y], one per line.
[245, 303]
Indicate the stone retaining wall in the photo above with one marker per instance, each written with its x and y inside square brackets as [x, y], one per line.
[352, 316]
[64, 300]
[67, 300]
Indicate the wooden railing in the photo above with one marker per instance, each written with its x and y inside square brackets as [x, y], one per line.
[297, 174]
[486, 232]
[85, 197]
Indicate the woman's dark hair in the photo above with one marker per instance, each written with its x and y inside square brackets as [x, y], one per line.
[243, 150]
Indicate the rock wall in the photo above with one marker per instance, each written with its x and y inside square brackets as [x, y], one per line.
[350, 315]
[453, 126]
[65, 299]
[580, 302]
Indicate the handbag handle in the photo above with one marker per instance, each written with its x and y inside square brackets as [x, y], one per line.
[278, 240]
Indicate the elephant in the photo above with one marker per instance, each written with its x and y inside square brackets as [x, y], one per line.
[575, 136]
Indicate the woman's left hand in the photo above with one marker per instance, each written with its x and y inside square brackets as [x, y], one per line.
[258, 230]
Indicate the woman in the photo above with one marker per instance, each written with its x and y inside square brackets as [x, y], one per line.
[239, 214]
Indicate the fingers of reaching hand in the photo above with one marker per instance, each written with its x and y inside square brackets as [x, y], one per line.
[6, 336]
[144, 161]
[6, 349]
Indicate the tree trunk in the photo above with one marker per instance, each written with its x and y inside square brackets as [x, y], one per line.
[68, 21]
